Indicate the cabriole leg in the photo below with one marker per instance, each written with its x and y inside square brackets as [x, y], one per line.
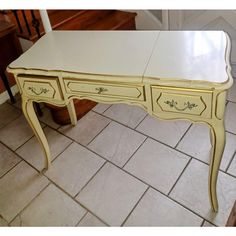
[218, 144]
[28, 110]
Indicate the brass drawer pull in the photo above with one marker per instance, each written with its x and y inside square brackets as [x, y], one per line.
[101, 89]
[42, 90]
[187, 105]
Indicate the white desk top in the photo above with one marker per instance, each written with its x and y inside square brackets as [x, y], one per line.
[190, 55]
[93, 52]
[187, 55]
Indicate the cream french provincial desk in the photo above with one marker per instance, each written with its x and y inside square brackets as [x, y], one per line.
[172, 75]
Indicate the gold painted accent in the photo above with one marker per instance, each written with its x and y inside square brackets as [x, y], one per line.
[187, 105]
[42, 90]
[101, 90]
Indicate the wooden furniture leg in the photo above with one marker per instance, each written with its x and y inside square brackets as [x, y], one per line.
[72, 113]
[29, 112]
[218, 144]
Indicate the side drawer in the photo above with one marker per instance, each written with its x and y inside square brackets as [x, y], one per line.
[131, 91]
[180, 100]
[40, 87]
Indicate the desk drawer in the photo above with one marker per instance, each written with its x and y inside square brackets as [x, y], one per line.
[40, 87]
[181, 100]
[105, 89]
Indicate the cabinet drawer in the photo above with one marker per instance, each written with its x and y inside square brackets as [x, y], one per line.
[181, 100]
[40, 87]
[102, 89]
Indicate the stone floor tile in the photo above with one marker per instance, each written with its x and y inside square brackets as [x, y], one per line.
[230, 115]
[74, 167]
[101, 107]
[157, 165]
[33, 153]
[51, 207]
[117, 143]
[197, 144]
[87, 128]
[155, 209]
[231, 96]
[8, 159]
[16, 133]
[3, 223]
[169, 132]
[232, 167]
[192, 191]
[8, 113]
[17, 188]
[91, 221]
[47, 119]
[111, 194]
[126, 114]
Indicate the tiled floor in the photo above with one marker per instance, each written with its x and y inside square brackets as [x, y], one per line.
[117, 167]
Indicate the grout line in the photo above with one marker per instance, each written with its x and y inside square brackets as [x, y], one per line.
[177, 180]
[134, 153]
[19, 213]
[228, 101]
[98, 133]
[202, 223]
[230, 132]
[75, 200]
[10, 169]
[186, 131]
[231, 160]
[86, 213]
[140, 122]
[122, 224]
[92, 177]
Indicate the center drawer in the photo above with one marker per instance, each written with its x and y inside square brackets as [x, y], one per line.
[133, 91]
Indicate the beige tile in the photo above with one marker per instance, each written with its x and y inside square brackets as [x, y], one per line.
[18, 188]
[169, 132]
[232, 167]
[101, 107]
[192, 191]
[47, 119]
[231, 96]
[8, 159]
[207, 224]
[111, 194]
[16, 133]
[155, 209]
[87, 128]
[8, 113]
[51, 208]
[3, 222]
[91, 221]
[126, 114]
[157, 165]
[74, 167]
[117, 143]
[197, 144]
[33, 153]
[230, 115]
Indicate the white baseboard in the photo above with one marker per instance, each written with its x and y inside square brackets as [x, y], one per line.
[4, 96]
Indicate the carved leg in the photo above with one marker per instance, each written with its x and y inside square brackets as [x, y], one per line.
[72, 113]
[218, 144]
[28, 110]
